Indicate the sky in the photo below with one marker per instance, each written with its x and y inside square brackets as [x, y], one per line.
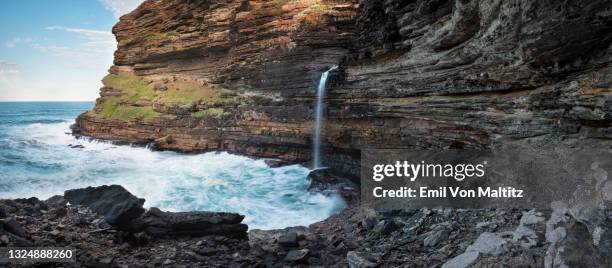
[57, 50]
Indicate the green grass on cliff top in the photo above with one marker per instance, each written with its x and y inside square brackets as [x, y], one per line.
[111, 109]
[319, 8]
[188, 94]
[136, 89]
[152, 37]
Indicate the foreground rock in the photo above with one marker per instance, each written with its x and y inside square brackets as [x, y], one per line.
[357, 237]
[124, 211]
[118, 206]
[159, 223]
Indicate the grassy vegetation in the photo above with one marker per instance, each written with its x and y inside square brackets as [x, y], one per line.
[186, 95]
[319, 8]
[177, 94]
[111, 108]
[217, 113]
[153, 37]
[134, 88]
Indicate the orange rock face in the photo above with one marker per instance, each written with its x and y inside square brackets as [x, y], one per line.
[253, 65]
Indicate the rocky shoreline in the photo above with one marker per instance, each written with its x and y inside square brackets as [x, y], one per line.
[109, 228]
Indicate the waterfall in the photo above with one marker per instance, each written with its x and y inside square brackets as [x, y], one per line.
[316, 155]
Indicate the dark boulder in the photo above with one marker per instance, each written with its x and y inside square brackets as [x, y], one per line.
[297, 255]
[289, 239]
[125, 212]
[199, 223]
[359, 260]
[386, 227]
[12, 226]
[324, 180]
[56, 201]
[436, 237]
[118, 206]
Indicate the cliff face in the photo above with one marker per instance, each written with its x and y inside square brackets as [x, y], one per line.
[221, 75]
[241, 75]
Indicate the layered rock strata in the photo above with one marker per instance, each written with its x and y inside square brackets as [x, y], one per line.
[220, 75]
[241, 75]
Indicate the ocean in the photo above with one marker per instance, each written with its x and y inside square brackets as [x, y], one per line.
[39, 157]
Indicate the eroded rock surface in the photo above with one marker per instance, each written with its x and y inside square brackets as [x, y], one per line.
[220, 75]
[241, 75]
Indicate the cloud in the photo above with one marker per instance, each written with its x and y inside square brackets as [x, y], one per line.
[121, 7]
[95, 50]
[94, 36]
[16, 41]
[8, 71]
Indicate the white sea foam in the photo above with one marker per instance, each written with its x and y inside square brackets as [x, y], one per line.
[40, 163]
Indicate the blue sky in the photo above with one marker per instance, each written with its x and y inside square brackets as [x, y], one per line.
[57, 50]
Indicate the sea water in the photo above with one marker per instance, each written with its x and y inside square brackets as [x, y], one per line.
[37, 158]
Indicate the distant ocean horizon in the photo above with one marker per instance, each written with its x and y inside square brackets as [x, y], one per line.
[40, 157]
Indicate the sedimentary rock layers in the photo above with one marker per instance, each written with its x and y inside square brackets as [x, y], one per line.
[241, 75]
[230, 75]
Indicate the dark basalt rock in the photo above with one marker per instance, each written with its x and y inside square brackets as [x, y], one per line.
[159, 223]
[322, 178]
[325, 180]
[297, 255]
[520, 239]
[125, 212]
[357, 260]
[118, 206]
[56, 200]
[12, 226]
[289, 239]
[436, 236]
